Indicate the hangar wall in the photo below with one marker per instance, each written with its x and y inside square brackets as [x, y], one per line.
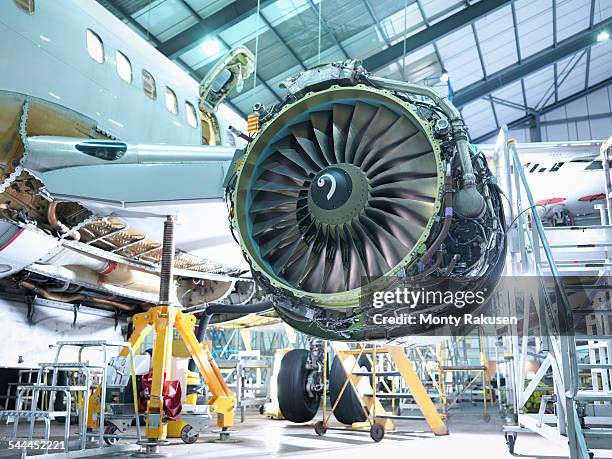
[586, 118]
[25, 344]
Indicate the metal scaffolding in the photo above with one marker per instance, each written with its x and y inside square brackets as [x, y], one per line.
[573, 367]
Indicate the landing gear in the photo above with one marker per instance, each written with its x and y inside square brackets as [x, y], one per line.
[295, 402]
[348, 410]
[377, 432]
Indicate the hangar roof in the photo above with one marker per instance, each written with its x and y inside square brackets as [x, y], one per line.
[506, 59]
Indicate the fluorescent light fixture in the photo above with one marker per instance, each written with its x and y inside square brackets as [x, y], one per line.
[211, 46]
[444, 76]
[603, 36]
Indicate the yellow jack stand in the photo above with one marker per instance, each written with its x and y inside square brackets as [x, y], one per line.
[164, 319]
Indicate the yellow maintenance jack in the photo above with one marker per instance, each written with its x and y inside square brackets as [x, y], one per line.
[163, 320]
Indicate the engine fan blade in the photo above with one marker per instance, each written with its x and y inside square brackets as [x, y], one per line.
[357, 268]
[282, 256]
[405, 231]
[410, 210]
[321, 124]
[314, 278]
[294, 270]
[291, 153]
[417, 168]
[287, 169]
[388, 244]
[335, 273]
[271, 241]
[411, 148]
[420, 189]
[402, 130]
[375, 262]
[270, 220]
[362, 117]
[377, 129]
[282, 186]
[342, 115]
[305, 137]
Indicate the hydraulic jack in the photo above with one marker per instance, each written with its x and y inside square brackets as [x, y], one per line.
[163, 319]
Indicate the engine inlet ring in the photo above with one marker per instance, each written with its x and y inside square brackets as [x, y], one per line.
[384, 166]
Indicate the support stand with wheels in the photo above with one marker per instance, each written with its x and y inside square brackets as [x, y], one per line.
[163, 320]
[362, 389]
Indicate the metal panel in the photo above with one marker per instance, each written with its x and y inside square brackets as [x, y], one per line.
[460, 55]
[600, 62]
[534, 21]
[572, 17]
[496, 36]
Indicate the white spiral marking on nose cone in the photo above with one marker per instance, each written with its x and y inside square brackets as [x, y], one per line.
[332, 183]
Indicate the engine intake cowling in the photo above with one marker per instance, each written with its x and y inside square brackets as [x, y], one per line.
[347, 183]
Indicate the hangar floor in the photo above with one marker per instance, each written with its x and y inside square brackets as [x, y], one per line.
[259, 437]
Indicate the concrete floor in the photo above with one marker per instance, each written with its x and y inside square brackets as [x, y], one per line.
[259, 437]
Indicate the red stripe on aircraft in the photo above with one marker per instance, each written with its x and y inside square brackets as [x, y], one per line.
[546, 202]
[12, 239]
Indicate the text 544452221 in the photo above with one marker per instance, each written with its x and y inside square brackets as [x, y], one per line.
[35, 444]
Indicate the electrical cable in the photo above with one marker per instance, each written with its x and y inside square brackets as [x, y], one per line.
[256, 44]
[521, 213]
[319, 38]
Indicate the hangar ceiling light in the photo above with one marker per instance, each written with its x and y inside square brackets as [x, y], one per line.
[603, 36]
[211, 46]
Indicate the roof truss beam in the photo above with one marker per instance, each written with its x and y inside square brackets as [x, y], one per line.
[527, 119]
[435, 32]
[210, 25]
[528, 65]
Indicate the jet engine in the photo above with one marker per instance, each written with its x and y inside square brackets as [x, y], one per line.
[356, 182]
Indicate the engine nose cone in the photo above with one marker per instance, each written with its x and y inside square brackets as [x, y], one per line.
[331, 188]
[337, 194]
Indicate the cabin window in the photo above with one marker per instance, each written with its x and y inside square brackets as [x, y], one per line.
[192, 117]
[26, 5]
[171, 101]
[124, 67]
[148, 85]
[95, 47]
